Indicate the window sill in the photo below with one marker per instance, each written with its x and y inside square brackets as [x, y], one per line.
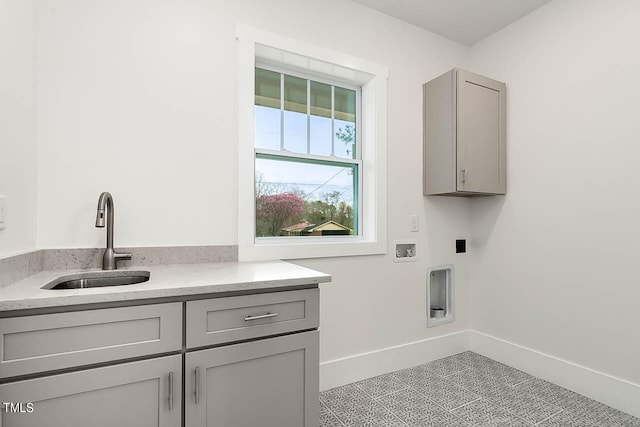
[284, 248]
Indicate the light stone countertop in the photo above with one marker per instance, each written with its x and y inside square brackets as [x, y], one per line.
[166, 281]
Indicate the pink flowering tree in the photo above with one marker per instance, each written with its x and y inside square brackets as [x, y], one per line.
[273, 211]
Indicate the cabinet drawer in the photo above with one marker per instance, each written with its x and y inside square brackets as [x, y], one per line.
[220, 320]
[48, 342]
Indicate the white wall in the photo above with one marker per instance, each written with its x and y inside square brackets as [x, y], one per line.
[139, 98]
[136, 98]
[556, 266]
[18, 137]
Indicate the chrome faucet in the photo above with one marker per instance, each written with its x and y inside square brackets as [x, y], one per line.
[111, 257]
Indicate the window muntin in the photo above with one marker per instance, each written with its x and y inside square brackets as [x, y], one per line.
[307, 157]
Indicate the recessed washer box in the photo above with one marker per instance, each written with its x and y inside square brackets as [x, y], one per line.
[405, 250]
[440, 295]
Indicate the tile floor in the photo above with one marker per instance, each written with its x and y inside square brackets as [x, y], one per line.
[463, 390]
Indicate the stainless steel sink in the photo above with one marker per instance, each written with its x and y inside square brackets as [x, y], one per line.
[98, 279]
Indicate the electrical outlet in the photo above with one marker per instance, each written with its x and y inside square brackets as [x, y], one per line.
[413, 223]
[3, 212]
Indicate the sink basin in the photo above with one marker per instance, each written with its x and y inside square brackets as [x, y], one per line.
[97, 279]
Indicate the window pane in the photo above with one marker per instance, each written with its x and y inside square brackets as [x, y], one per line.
[266, 127]
[295, 94]
[345, 104]
[345, 139]
[298, 198]
[320, 99]
[295, 132]
[318, 118]
[267, 88]
[320, 135]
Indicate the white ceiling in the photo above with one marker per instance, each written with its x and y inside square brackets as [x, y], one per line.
[465, 21]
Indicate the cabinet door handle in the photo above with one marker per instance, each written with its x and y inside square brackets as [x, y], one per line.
[262, 316]
[197, 384]
[171, 391]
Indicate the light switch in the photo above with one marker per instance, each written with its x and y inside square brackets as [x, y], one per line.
[413, 223]
[3, 212]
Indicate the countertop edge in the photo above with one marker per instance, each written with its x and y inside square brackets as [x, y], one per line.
[292, 276]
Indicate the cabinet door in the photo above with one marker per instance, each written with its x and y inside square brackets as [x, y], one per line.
[267, 383]
[481, 135]
[132, 394]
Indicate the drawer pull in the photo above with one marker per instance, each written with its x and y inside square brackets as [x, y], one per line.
[262, 316]
[171, 391]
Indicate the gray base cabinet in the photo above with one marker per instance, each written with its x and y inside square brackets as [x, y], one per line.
[142, 394]
[268, 383]
[249, 361]
[464, 135]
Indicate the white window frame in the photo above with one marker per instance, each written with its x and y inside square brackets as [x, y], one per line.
[261, 47]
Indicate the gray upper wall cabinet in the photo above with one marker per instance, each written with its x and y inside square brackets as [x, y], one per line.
[464, 135]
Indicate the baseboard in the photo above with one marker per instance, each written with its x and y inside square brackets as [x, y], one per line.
[334, 373]
[612, 391]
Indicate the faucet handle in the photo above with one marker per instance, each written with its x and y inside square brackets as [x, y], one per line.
[110, 259]
[122, 256]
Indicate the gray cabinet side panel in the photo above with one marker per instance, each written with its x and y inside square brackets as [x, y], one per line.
[268, 383]
[131, 394]
[439, 134]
